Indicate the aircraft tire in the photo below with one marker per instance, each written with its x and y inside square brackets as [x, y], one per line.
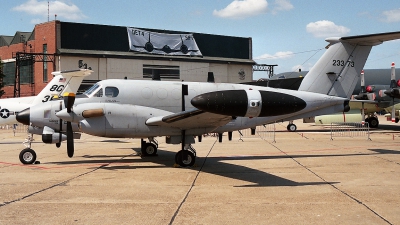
[149, 149]
[58, 144]
[291, 127]
[373, 122]
[27, 156]
[185, 163]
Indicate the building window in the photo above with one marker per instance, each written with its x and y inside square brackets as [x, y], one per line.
[45, 64]
[157, 72]
[26, 71]
[9, 73]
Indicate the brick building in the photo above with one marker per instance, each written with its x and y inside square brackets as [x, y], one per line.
[57, 45]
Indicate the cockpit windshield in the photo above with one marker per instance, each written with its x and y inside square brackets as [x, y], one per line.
[94, 89]
[91, 89]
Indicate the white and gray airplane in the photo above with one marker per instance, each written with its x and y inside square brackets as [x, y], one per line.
[63, 81]
[182, 110]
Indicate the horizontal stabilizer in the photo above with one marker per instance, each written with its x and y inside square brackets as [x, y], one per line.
[371, 39]
[73, 73]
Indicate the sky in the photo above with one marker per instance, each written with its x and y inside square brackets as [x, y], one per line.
[288, 33]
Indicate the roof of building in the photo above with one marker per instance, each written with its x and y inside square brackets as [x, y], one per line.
[20, 37]
[114, 39]
[5, 40]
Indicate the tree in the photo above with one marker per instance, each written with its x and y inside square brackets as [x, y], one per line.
[1, 79]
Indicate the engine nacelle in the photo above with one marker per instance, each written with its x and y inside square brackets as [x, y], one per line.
[53, 138]
[49, 136]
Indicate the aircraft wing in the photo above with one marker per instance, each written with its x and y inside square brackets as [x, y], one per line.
[190, 119]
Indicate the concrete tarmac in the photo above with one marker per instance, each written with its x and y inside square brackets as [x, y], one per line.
[302, 178]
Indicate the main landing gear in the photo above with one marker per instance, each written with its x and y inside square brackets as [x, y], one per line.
[291, 127]
[183, 158]
[186, 157]
[372, 121]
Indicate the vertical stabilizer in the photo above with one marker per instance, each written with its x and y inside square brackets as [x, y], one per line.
[336, 73]
[63, 81]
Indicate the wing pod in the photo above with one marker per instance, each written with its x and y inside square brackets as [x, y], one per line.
[248, 103]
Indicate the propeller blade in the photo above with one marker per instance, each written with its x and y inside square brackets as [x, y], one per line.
[362, 82]
[69, 99]
[70, 140]
[362, 114]
[393, 113]
[393, 76]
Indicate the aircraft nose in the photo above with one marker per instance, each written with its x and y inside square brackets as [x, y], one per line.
[24, 116]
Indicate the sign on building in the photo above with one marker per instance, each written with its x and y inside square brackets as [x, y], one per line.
[161, 43]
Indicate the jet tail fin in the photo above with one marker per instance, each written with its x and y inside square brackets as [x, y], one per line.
[63, 81]
[336, 73]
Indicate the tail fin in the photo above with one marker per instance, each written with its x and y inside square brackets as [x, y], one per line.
[63, 81]
[336, 73]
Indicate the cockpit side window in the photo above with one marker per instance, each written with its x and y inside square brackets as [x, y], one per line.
[99, 93]
[111, 92]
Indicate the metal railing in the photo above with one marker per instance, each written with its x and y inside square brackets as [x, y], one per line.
[266, 131]
[15, 128]
[350, 130]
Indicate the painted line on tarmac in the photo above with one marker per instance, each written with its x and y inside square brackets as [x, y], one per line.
[191, 186]
[61, 183]
[335, 187]
[34, 166]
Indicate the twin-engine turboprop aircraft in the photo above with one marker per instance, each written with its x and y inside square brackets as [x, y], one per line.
[181, 110]
[63, 81]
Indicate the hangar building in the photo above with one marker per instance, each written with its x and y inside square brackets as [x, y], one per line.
[119, 52]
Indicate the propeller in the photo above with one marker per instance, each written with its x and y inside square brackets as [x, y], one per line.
[366, 93]
[393, 91]
[69, 99]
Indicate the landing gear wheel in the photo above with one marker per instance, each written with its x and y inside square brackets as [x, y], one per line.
[373, 122]
[185, 162]
[27, 156]
[149, 149]
[58, 144]
[291, 127]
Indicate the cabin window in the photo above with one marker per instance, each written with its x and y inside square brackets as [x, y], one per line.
[111, 92]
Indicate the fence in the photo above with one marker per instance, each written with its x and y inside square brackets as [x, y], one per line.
[16, 128]
[266, 131]
[350, 130]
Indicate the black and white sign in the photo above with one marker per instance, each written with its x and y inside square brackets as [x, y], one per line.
[161, 43]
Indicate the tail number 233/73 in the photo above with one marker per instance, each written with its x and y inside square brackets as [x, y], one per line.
[342, 63]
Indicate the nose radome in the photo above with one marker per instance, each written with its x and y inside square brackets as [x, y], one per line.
[24, 116]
